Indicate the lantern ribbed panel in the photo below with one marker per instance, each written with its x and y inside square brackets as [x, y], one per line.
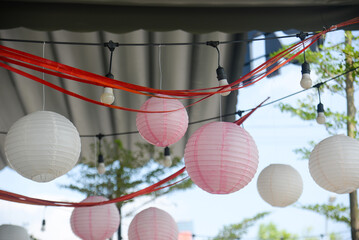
[13, 232]
[221, 157]
[153, 224]
[95, 223]
[280, 185]
[162, 129]
[42, 146]
[334, 164]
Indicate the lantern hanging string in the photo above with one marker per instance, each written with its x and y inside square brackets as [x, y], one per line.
[277, 61]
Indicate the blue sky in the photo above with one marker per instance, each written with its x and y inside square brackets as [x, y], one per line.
[276, 135]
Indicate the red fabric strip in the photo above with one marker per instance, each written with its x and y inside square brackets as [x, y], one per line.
[13, 197]
[242, 119]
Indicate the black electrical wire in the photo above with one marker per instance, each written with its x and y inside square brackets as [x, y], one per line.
[239, 112]
[197, 236]
[50, 42]
[109, 135]
[145, 44]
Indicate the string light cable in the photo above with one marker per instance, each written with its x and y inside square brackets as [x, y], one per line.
[239, 112]
[147, 44]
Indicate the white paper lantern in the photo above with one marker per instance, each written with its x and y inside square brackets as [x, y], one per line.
[280, 185]
[42, 146]
[334, 164]
[95, 223]
[13, 232]
[153, 224]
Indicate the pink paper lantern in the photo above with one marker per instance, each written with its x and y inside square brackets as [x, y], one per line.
[153, 224]
[162, 129]
[95, 223]
[221, 157]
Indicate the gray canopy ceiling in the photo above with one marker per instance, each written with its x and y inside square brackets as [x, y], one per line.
[142, 21]
[196, 16]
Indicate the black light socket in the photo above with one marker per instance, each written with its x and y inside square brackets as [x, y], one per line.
[167, 151]
[305, 68]
[221, 74]
[109, 75]
[100, 158]
[320, 108]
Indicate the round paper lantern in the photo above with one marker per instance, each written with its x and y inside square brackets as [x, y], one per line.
[280, 185]
[95, 223]
[334, 164]
[153, 224]
[162, 129]
[12, 232]
[221, 157]
[42, 146]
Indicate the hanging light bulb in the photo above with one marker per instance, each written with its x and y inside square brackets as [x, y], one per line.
[107, 96]
[306, 81]
[168, 159]
[221, 75]
[222, 81]
[101, 168]
[43, 225]
[320, 114]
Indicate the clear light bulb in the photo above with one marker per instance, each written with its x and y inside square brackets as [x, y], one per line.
[107, 96]
[224, 82]
[320, 118]
[320, 113]
[167, 162]
[101, 169]
[306, 81]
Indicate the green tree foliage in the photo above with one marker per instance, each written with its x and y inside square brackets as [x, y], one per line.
[331, 61]
[270, 232]
[236, 231]
[338, 212]
[341, 62]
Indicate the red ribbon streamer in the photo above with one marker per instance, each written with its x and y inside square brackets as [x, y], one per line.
[13, 197]
[67, 72]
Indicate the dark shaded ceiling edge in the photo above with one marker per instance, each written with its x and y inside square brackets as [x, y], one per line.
[201, 3]
[120, 19]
